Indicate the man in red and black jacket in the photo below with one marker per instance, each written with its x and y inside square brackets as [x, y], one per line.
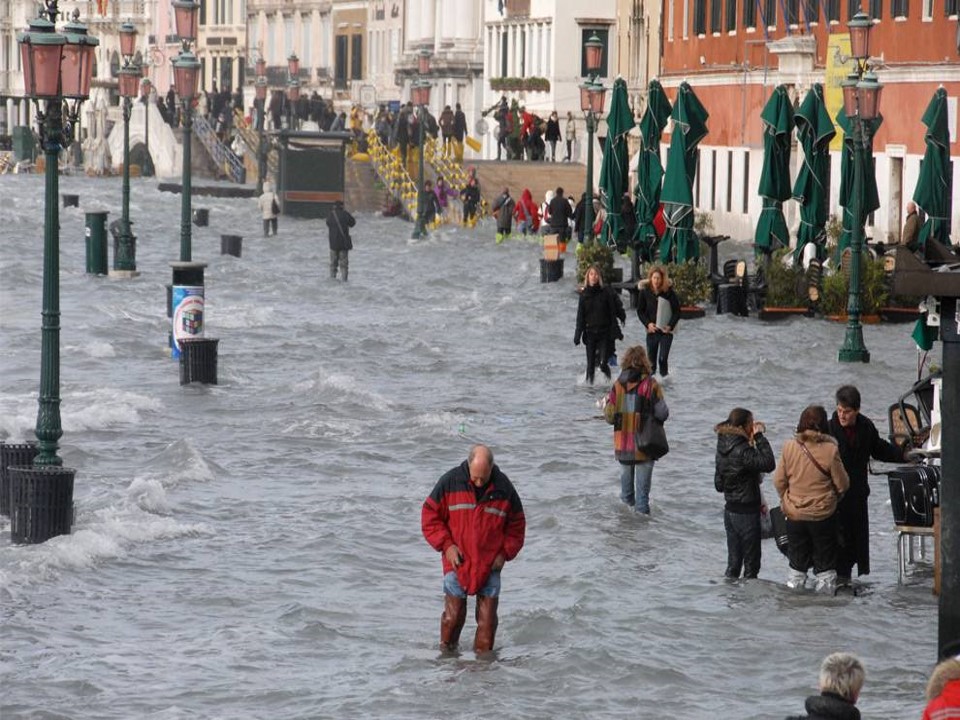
[474, 518]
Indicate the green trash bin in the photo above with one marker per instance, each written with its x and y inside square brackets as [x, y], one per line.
[24, 144]
[96, 232]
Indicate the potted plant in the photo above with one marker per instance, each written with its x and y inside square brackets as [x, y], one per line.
[691, 282]
[874, 292]
[602, 255]
[786, 290]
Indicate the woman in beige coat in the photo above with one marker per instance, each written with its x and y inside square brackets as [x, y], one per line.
[810, 480]
[268, 202]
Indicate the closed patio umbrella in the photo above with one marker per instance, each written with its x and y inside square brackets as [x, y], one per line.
[815, 131]
[689, 128]
[614, 168]
[649, 168]
[871, 197]
[934, 191]
[774, 187]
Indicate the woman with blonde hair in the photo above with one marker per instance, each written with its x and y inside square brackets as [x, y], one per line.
[657, 289]
[624, 410]
[596, 321]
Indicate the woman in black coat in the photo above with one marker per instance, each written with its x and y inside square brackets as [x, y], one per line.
[596, 320]
[743, 455]
[659, 338]
[859, 441]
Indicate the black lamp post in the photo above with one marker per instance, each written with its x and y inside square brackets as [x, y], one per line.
[420, 96]
[186, 71]
[591, 103]
[125, 259]
[261, 105]
[861, 104]
[57, 69]
[145, 86]
[293, 90]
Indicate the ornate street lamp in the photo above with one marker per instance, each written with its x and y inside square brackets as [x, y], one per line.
[420, 96]
[293, 88]
[57, 69]
[591, 103]
[261, 105]
[186, 71]
[124, 260]
[861, 105]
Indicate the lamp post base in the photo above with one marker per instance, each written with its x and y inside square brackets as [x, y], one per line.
[853, 349]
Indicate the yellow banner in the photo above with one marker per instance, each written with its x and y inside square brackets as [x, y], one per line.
[836, 72]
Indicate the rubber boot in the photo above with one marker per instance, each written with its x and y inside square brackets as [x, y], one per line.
[796, 579]
[451, 621]
[827, 582]
[487, 622]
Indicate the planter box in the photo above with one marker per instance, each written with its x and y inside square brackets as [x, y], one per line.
[864, 319]
[781, 313]
[691, 312]
[899, 314]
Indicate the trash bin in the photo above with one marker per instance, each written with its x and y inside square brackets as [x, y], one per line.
[96, 236]
[198, 360]
[24, 144]
[732, 298]
[231, 245]
[13, 455]
[70, 200]
[201, 217]
[41, 503]
[551, 270]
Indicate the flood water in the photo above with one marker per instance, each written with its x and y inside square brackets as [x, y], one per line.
[253, 549]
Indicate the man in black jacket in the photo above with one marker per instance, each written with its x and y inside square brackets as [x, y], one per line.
[339, 222]
[859, 440]
[560, 215]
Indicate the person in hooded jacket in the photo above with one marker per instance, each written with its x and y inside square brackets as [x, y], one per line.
[943, 691]
[743, 455]
[474, 518]
[470, 197]
[634, 387]
[503, 209]
[266, 203]
[659, 339]
[858, 440]
[526, 213]
[841, 680]
[596, 320]
[560, 215]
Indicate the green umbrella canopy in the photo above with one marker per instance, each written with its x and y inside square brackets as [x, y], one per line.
[689, 128]
[615, 167]
[649, 168]
[815, 131]
[871, 197]
[934, 191]
[774, 186]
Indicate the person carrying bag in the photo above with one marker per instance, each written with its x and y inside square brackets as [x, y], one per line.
[636, 401]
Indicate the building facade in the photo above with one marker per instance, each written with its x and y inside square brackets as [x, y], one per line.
[543, 40]
[735, 52]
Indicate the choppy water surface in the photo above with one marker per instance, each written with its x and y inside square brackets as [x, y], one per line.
[253, 549]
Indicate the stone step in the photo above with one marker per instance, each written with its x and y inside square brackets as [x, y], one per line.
[538, 177]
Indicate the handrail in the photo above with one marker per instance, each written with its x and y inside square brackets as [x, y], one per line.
[251, 138]
[229, 163]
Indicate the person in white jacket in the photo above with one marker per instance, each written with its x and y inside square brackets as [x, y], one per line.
[269, 205]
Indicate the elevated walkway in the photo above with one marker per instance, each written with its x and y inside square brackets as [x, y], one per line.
[538, 177]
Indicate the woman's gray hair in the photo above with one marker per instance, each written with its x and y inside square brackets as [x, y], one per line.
[842, 673]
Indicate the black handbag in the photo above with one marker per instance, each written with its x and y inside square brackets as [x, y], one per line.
[779, 522]
[275, 207]
[651, 438]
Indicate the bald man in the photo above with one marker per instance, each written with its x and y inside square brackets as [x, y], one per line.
[474, 519]
[911, 228]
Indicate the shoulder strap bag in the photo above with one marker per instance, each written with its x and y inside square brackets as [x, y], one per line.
[650, 437]
[812, 459]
